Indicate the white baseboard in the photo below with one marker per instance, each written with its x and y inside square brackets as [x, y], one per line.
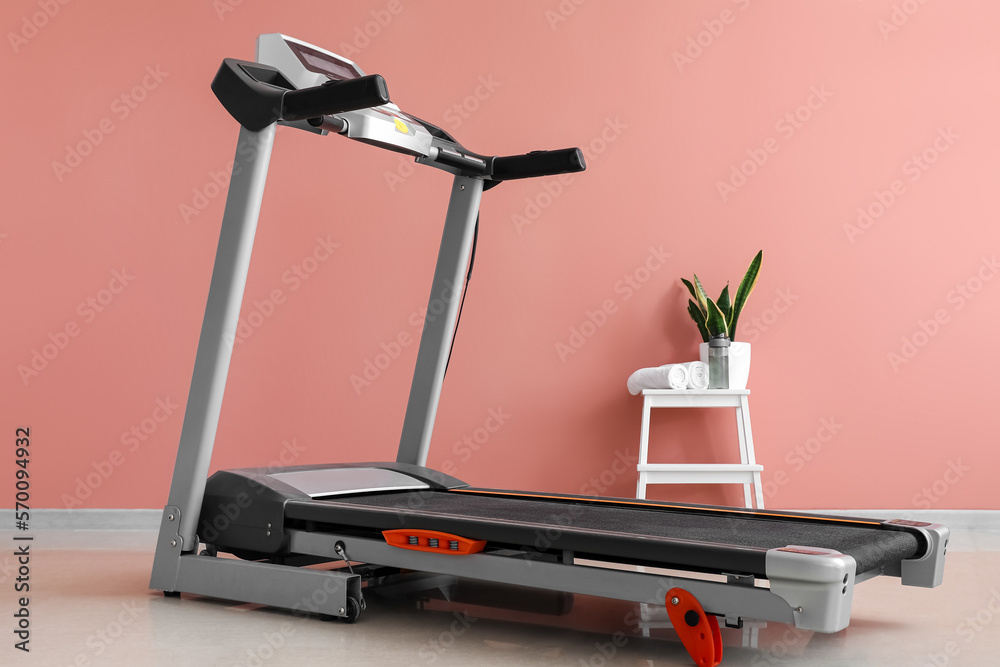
[84, 519]
[953, 519]
[138, 519]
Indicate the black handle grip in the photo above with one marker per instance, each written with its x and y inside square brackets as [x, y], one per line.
[250, 92]
[538, 163]
[334, 97]
[258, 95]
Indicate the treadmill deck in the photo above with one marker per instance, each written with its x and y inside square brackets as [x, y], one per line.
[643, 532]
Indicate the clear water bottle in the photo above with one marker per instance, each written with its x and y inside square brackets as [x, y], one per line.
[718, 362]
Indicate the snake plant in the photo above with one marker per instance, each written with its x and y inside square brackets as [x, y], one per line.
[720, 317]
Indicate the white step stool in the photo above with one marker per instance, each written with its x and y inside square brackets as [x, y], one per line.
[746, 472]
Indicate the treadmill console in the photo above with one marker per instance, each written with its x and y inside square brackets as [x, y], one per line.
[322, 62]
[305, 65]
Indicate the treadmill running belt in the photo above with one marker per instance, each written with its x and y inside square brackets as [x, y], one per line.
[871, 547]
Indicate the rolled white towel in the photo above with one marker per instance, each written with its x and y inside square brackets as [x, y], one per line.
[670, 376]
[697, 374]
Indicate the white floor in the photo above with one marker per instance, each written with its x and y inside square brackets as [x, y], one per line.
[89, 605]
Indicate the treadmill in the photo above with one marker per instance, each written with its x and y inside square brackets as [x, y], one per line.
[274, 526]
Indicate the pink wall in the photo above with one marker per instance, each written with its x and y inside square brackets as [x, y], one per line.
[666, 98]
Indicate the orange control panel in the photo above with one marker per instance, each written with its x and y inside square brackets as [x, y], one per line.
[432, 540]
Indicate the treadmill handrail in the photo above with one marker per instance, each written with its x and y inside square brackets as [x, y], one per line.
[258, 95]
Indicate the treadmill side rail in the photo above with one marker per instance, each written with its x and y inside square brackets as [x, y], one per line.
[721, 599]
[818, 584]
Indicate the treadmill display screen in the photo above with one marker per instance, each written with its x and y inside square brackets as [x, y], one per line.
[325, 63]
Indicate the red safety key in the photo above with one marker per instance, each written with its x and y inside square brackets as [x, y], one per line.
[698, 631]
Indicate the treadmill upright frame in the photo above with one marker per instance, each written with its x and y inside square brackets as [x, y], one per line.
[439, 327]
[176, 566]
[218, 329]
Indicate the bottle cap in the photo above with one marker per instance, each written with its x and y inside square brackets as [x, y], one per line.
[719, 341]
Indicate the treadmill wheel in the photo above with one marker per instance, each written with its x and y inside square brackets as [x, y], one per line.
[353, 610]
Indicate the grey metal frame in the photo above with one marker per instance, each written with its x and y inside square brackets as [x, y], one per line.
[176, 565]
[218, 329]
[298, 589]
[811, 591]
[440, 319]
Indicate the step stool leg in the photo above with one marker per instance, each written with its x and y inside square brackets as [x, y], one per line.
[746, 449]
[741, 428]
[640, 489]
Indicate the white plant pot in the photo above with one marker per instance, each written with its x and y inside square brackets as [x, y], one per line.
[739, 363]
